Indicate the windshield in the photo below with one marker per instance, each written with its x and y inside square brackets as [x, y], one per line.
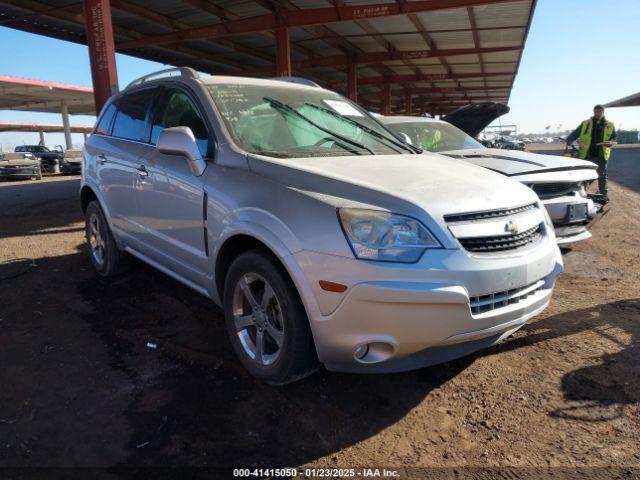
[36, 149]
[288, 121]
[435, 136]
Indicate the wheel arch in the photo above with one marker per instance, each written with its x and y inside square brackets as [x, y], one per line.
[87, 195]
[234, 246]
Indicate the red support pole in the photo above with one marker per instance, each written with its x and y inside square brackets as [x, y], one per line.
[283, 52]
[408, 104]
[386, 99]
[352, 82]
[101, 50]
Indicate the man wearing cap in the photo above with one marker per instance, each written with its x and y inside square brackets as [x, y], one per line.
[596, 136]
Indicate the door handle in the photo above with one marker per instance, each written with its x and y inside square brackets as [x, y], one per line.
[142, 171]
[102, 159]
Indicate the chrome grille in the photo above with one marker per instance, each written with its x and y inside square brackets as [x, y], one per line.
[553, 189]
[488, 214]
[494, 301]
[502, 242]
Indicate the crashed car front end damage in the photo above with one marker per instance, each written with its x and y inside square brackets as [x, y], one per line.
[561, 183]
[573, 211]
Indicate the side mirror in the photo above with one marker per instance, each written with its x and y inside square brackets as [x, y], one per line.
[180, 141]
[405, 138]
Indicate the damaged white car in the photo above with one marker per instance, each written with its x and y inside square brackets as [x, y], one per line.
[560, 182]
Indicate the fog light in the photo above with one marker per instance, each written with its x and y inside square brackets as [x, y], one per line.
[361, 351]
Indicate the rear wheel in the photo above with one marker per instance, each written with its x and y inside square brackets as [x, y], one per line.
[266, 321]
[105, 256]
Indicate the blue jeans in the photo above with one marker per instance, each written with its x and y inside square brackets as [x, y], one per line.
[602, 173]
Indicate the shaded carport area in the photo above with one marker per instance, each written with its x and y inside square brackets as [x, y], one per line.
[400, 56]
[42, 128]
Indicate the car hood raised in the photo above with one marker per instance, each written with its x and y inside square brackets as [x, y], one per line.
[514, 162]
[435, 184]
[472, 119]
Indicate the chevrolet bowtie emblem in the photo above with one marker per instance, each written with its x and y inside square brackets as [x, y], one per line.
[512, 227]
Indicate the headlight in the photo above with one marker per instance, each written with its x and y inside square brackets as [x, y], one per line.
[384, 236]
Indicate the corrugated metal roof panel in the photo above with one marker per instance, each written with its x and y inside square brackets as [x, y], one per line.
[256, 50]
[501, 38]
[448, 40]
[508, 56]
[407, 41]
[466, 68]
[455, 18]
[463, 58]
[502, 14]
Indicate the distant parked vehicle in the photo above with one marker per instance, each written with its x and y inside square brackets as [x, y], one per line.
[19, 166]
[506, 142]
[71, 163]
[49, 159]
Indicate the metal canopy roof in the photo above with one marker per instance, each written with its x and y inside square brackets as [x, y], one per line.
[630, 101]
[444, 53]
[41, 127]
[38, 96]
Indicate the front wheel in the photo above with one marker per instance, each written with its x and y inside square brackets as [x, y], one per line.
[266, 321]
[105, 256]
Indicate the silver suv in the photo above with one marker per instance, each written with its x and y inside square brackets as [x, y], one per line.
[321, 237]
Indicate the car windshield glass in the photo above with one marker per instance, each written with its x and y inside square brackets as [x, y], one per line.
[435, 136]
[290, 121]
[37, 149]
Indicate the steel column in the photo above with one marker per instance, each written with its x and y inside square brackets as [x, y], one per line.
[408, 103]
[352, 81]
[101, 50]
[386, 99]
[41, 133]
[66, 125]
[283, 52]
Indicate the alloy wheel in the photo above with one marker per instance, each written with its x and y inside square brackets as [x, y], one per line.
[96, 240]
[258, 319]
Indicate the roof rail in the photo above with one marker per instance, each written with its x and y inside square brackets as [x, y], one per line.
[300, 80]
[183, 71]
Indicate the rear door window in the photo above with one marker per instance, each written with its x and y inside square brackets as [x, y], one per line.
[174, 108]
[130, 122]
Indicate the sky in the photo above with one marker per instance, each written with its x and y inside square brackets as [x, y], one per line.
[578, 53]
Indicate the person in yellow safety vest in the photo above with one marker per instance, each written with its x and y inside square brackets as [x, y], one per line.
[429, 139]
[596, 136]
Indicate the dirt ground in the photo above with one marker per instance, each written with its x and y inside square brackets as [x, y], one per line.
[80, 387]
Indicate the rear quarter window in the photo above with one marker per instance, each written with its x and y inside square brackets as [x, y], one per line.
[104, 124]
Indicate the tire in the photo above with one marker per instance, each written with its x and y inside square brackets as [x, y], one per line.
[275, 314]
[105, 256]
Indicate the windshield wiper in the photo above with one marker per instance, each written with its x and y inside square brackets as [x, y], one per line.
[292, 111]
[368, 130]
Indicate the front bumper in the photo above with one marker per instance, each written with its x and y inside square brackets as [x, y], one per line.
[18, 172]
[572, 216]
[411, 316]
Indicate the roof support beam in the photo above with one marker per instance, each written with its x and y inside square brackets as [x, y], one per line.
[302, 18]
[283, 52]
[378, 57]
[434, 77]
[386, 99]
[408, 103]
[101, 52]
[352, 81]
